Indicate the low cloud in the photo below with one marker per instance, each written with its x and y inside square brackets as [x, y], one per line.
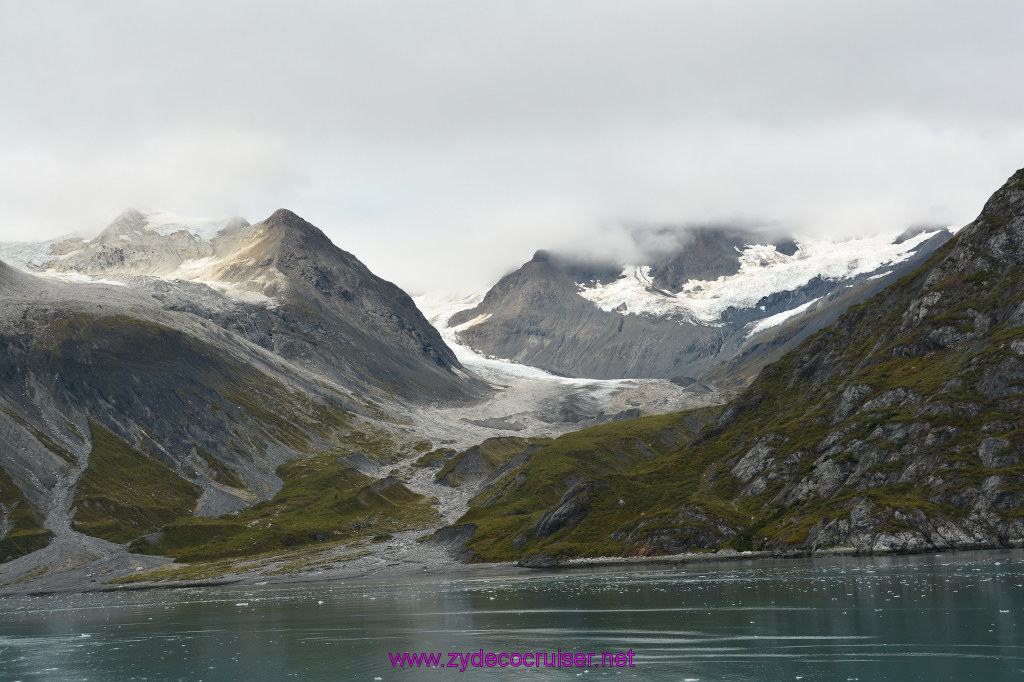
[443, 142]
[51, 190]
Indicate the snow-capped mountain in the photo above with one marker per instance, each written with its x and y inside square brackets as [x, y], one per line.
[762, 270]
[714, 294]
[200, 356]
[280, 283]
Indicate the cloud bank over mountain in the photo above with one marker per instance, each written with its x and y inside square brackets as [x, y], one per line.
[446, 141]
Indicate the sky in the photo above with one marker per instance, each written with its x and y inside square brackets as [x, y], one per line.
[443, 141]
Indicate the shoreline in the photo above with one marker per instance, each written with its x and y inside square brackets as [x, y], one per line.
[469, 571]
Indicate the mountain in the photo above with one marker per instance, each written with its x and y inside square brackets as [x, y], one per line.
[708, 295]
[284, 286]
[896, 428]
[160, 371]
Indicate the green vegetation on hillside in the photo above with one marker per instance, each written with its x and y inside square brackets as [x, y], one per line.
[600, 463]
[434, 458]
[23, 525]
[124, 494]
[484, 458]
[221, 472]
[321, 500]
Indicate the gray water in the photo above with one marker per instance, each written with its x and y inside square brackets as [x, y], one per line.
[935, 617]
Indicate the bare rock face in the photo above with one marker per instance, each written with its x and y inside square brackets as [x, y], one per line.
[995, 453]
[538, 318]
[754, 462]
[569, 511]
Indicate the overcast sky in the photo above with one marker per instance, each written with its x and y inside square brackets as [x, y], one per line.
[444, 142]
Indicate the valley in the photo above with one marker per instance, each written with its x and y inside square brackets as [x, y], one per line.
[188, 400]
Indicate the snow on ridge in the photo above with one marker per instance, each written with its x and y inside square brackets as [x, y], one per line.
[166, 224]
[779, 318]
[763, 271]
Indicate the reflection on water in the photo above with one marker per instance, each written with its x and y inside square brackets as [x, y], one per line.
[941, 617]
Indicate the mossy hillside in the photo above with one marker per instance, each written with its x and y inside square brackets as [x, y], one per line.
[795, 401]
[869, 348]
[435, 458]
[24, 525]
[124, 494]
[321, 501]
[609, 454]
[488, 456]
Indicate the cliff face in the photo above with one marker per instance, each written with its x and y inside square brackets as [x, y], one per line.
[898, 427]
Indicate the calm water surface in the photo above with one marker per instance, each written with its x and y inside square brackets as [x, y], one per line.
[936, 617]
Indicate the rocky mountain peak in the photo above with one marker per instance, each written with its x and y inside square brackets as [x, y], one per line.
[130, 220]
[706, 253]
[996, 237]
[289, 224]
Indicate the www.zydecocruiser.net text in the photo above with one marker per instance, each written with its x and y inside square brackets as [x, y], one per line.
[478, 659]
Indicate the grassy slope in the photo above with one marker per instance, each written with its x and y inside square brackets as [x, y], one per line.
[27, 533]
[124, 494]
[611, 455]
[492, 454]
[321, 500]
[795, 399]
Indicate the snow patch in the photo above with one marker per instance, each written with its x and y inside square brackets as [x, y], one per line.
[763, 271]
[475, 321]
[779, 318]
[233, 291]
[439, 309]
[191, 269]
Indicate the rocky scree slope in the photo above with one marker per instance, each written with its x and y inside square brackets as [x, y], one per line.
[604, 320]
[900, 427]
